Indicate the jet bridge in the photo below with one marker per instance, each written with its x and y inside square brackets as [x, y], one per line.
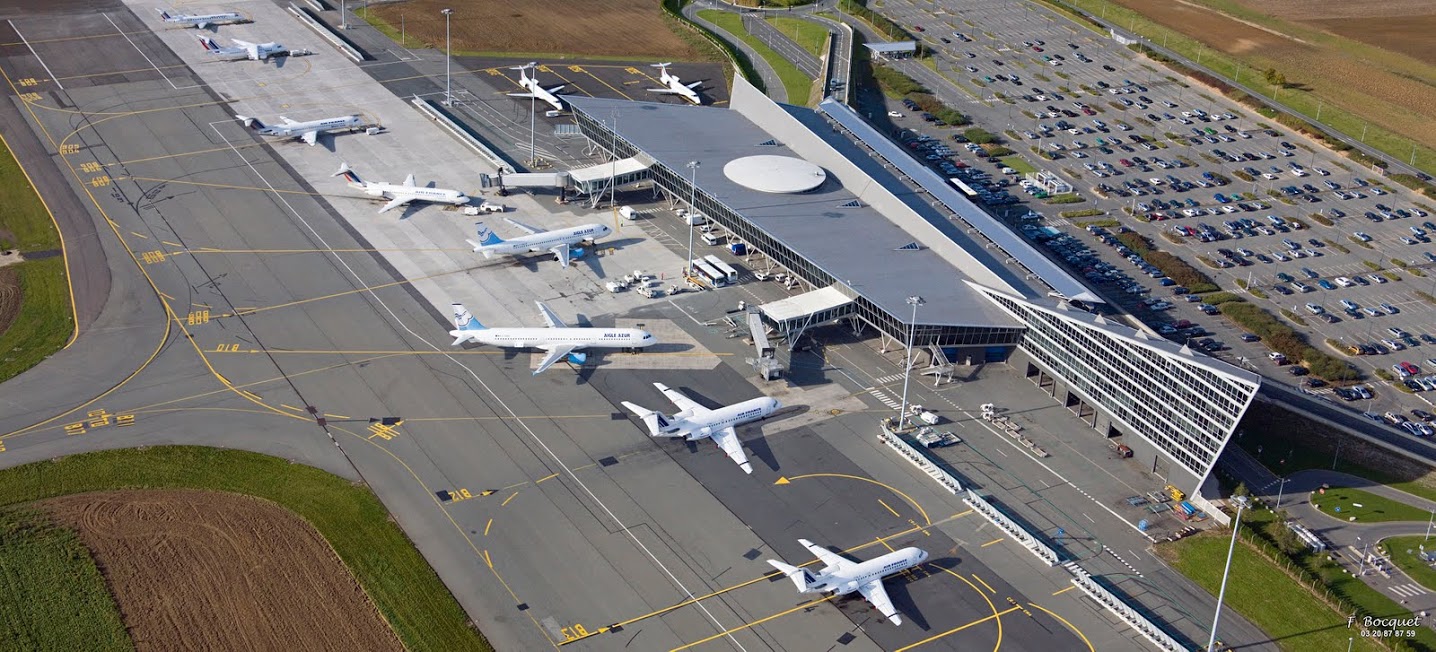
[766, 364]
[796, 314]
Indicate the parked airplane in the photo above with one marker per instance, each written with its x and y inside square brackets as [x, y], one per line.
[695, 422]
[534, 90]
[242, 50]
[201, 21]
[558, 339]
[402, 193]
[557, 241]
[675, 86]
[305, 131]
[841, 576]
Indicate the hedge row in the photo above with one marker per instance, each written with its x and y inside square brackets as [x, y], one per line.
[1179, 270]
[879, 22]
[1288, 341]
[897, 83]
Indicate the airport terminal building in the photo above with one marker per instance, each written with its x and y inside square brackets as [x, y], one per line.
[865, 226]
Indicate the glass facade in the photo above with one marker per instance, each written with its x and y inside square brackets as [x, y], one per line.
[676, 183]
[1183, 407]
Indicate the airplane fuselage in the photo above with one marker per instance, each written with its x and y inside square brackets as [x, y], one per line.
[208, 19]
[583, 338]
[549, 239]
[298, 128]
[731, 416]
[433, 195]
[873, 569]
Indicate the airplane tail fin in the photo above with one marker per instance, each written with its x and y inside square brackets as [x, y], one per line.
[465, 320]
[655, 421]
[164, 15]
[486, 236]
[208, 44]
[252, 123]
[800, 576]
[348, 174]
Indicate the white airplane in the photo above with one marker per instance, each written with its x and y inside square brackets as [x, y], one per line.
[402, 193]
[842, 577]
[305, 131]
[202, 21]
[557, 241]
[534, 90]
[696, 422]
[558, 339]
[675, 86]
[242, 50]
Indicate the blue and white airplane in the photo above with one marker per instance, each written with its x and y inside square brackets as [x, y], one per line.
[842, 577]
[556, 242]
[558, 339]
[400, 194]
[201, 21]
[694, 422]
[242, 50]
[306, 131]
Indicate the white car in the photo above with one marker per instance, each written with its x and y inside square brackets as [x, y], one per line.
[894, 114]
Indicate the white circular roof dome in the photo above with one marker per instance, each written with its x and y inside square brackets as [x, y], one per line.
[775, 174]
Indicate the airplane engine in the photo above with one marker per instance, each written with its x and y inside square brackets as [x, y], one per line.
[577, 358]
[846, 588]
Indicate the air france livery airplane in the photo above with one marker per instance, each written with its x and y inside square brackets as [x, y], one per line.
[558, 339]
[675, 86]
[305, 131]
[531, 85]
[696, 422]
[842, 577]
[557, 242]
[403, 193]
[242, 50]
[201, 22]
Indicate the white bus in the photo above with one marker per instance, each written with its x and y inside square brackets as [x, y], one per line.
[705, 271]
[730, 274]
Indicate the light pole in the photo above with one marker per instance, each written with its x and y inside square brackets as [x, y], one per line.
[1279, 492]
[1216, 618]
[913, 301]
[692, 209]
[1361, 568]
[343, 19]
[533, 117]
[1428, 524]
[448, 56]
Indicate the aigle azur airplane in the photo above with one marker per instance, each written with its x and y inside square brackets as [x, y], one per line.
[842, 577]
[556, 242]
[402, 193]
[695, 422]
[306, 131]
[557, 339]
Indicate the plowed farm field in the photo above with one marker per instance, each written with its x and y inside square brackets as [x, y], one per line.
[198, 570]
[614, 28]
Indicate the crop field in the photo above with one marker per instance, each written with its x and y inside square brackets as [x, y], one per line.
[592, 28]
[1404, 26]
[74, 611]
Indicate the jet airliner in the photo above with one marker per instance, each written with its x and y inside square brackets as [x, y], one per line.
[675, 86]
[402, 193]
[557, 340]
[242, 50]
[695, 422]
[305, 131]
[556, 242]
[841, 576]
[201, 21]
[531, 85]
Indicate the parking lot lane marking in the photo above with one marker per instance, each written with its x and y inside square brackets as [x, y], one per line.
[996, 616]
[1061, 591]
[35, 54]
[1089, 518]
[889, 508]
[904, 496]
[801, 607]
[600, 80]
[506, 500]
[997, 540]
[1062, 620]
[547, 477]
[984, 584]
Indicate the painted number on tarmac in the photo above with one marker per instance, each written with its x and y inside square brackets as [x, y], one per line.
[460, 494]
[573, 633]
[197, 318]
[72, 148]
[89, 166]
[100, 181]
[152, 257]
[29, 81]
[226, 348]
[30, 97]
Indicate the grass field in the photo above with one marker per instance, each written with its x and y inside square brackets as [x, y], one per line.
[24, 222]
[1373, 508]
[798, 85]
[1403, 552]
[54, 597]
[811, 36]
[44, 321]
[401, 584]
[1285, 610]
[1020, 164]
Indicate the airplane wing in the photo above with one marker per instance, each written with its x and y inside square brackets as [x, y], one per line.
[727, 439]
[553, 355]
[693, 85]
[287, 121]
[530, 229]
[397, 202]
[830, 560]
[521, 95]
[548, 317]
[683, 403]
[562, 252]
[201, 25]
[242, 44]
[876, 594]
[310, 137]
[555, 89]
[664, 91]
[409, 181]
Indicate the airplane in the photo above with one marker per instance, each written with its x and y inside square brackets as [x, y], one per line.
[402, 193]
[534, 90]
[305, 131]
[557, 242]
[244, 50]
[696, 422]
[842, 577]
[201, 21]
[674, 85]
[558, 340]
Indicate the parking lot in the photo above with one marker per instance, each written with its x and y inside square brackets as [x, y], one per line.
[1199, 177]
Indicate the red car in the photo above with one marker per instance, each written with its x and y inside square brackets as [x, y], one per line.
[918, 28]
[1410, 368]
[1036, 49]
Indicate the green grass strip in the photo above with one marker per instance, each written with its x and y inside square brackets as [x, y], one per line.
[797, 84]
[45, 320]
[52, 596]
[1020, 164]
[401, 584]
[25, 223]
[809, 36]
[1373, 508]
[1405, 554]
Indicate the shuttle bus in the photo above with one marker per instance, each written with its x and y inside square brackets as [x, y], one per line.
[706, 272]
[730, 274]
[964, 188]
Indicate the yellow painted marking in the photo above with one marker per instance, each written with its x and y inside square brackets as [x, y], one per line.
[781, 480]
[1062, 591]
[174, 244]
[984, 584]
[1070, 626]
[494, 72]
[90, 166]
[962, 514]
[139, 235]
[506, 500]
[633, 71]
[226, 348]
[959, 628]
[250, 394]
[885, 544]
[226, 186]
[68, 149]
[488, 561]
[889, 508]
[906, 497]
[28, 81]
[547, 477]
[221, 377]
[197, 317]
[100, 181]
[575, 68]
[2, 445]
[489, 525]
[153, 257]
[459, 495]
[77, 428]
[30, 97]
[382, 431]
[290, 407]
[167, 297]
[997, 540]
[543, 68]
[194, 153]
[574, 633]
[760, 621]
[98, 418]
